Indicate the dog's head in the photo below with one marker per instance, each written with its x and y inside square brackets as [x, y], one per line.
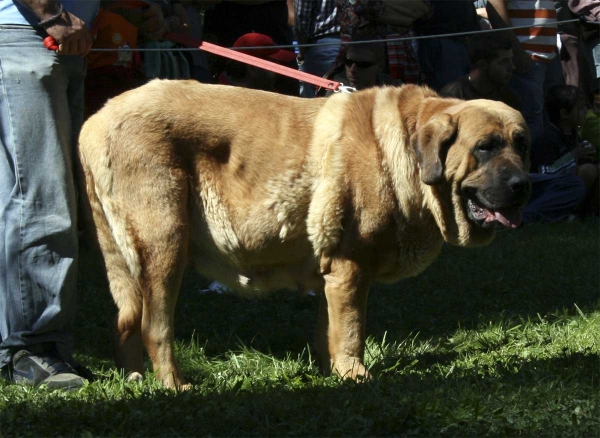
[475, 157]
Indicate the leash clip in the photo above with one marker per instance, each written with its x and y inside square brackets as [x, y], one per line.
[345, 89]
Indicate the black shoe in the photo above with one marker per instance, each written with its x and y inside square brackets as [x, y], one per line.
[44, 369]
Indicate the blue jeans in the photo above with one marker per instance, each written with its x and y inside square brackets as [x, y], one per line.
[530, 87]
[41, 111]
[443, 60]
[318, 61]
[553, 198]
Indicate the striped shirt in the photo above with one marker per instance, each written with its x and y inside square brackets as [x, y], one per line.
[539, 42]
[315, 19]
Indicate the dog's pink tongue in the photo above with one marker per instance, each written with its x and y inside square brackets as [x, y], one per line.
[509, 217]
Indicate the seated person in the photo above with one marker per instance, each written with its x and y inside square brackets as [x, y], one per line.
[560, 150]
[363, 66]
[245, 75]
[491, 70]
[553, 197]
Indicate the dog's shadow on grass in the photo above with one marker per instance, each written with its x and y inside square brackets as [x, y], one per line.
[414, 405]
[525, 273]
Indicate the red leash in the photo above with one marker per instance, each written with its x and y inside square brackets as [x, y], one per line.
[253, 60]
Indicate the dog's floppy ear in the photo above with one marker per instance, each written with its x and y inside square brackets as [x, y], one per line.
[431, 143]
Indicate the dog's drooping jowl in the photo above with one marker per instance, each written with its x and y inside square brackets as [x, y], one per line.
[262, 191]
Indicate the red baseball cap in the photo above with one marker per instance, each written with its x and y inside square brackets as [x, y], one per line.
[259, 40]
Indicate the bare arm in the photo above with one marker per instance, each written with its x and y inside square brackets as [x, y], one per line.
[497, 14]
[43, 9]
[149, 19]
[69, 32]
[290, 5]
[499, 17]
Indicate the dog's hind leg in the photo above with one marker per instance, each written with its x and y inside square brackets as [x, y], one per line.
[321, 339]
[127, 295]
[162, 231]
[128, 351]
[103, 227]
[165, 268]
[162, 283]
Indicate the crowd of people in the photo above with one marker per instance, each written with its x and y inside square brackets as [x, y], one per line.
[546, 71]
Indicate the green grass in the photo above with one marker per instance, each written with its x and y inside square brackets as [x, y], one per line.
[495, 341]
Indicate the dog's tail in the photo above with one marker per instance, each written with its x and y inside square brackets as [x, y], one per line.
[105, 226]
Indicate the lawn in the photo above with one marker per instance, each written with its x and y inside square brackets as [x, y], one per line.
[495, 341]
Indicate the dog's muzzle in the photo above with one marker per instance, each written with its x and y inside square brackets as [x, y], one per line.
[498, 206]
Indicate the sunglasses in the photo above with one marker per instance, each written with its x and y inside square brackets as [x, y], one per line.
[360, 64]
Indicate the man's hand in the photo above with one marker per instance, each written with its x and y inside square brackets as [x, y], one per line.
[149, 20]
[69, 32]
[71, 35]
[584, 153]
[179, 22]
[153, 25]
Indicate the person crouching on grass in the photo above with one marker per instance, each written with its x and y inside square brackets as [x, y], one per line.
[560, 150]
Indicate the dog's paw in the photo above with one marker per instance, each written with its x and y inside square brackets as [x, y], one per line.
[352, 368]
[184, 387]
[135, 377]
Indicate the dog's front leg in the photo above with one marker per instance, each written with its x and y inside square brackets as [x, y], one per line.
[340, 334]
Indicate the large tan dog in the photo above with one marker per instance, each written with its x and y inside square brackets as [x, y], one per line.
[261, 191]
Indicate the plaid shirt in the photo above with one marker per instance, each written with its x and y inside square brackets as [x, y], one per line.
[314, 19]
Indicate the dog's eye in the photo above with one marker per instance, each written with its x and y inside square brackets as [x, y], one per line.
[485, 151]
[485, 147]
[520, 143]
[522, 147]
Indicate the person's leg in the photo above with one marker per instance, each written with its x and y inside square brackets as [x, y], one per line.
[589, 175]
[199, 60]
[553, 198]
[556, 74]
[530, 87]
[443, 60]
[319, 61]
[41, 101]
[428, 52]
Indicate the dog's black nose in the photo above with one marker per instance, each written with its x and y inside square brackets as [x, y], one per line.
[519, 184]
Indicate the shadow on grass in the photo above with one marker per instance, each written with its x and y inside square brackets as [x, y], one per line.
[537, 270]
[542, 398]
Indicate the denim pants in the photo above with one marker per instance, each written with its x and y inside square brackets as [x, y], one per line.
[41, 111]
[530, 87]
[553, 198]
[443, 60]
[318, 61]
